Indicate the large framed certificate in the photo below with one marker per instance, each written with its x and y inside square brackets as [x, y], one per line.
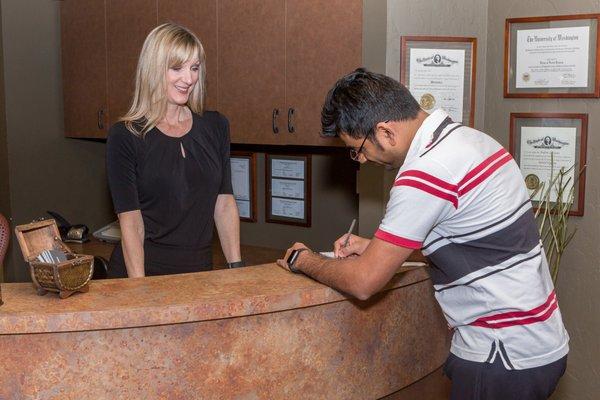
[243, 180]
[440, 72]
[552, 56]
[539, 139]
[288, 194]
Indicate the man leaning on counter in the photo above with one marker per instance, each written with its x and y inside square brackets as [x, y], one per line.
[460, 198]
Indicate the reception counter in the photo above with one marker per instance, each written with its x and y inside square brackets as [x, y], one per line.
[251, 333]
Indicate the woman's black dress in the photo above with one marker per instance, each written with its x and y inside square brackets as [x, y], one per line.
[176, 194]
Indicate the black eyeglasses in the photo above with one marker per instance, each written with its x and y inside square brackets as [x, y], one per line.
[355, 154]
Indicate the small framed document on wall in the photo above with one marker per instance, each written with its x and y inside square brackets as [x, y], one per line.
[440, 72]
[552, 56]
[288, 194]
[543, 143]
[243, 179]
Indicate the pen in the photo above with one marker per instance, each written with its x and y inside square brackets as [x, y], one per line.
[349, 232]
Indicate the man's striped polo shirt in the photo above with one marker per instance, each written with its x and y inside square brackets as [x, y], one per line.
[460, 197]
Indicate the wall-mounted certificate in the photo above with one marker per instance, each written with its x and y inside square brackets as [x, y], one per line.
[437, 79]
[287, 168]
[551, 56]
[288, 208]
[287, 188]
[440, 73]
[543, 144]
[539, 146]
[288, 194]
[243, 181]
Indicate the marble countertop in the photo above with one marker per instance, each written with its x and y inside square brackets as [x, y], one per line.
[173, 299]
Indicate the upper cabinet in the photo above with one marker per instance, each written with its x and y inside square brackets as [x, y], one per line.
[323, 42]
[269, 63]
[201, 17]
[85, 91]
[252, 69]
[128, 23]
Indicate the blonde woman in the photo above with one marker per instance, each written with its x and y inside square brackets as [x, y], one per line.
[168, 165]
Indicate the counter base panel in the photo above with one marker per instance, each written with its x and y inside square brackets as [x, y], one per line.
[341, 350]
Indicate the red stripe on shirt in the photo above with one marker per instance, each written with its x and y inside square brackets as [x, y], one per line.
[398, 240]
[430, 178]
[525, 317]
[482, 166]
[485, 175]
[428, 189]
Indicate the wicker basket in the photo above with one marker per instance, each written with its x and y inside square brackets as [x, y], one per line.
[67, 277]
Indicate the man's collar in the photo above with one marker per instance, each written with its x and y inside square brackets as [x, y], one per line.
[424, 134]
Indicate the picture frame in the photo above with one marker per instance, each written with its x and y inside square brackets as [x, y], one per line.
[243, 176]
[552, 57]
[288, 189]
[534, 136]
[451, 59]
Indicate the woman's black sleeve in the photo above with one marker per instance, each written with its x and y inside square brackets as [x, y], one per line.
[226, 187]
[121, 161]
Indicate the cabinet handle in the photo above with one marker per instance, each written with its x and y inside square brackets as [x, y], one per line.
[291, 128]
[275, 115]
[101, 118]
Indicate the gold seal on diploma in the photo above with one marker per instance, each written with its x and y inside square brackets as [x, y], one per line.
[427, 101]
[532, 181]
[526, 76]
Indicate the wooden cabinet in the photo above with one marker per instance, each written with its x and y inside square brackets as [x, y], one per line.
[266, 60]
[252, 68]
[128, 23]
[84, 68]
[200, 16]
[278, 59]
[101, 42]
[323, 42]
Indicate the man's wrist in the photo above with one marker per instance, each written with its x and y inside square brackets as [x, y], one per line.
[293, 260]
[236, 264]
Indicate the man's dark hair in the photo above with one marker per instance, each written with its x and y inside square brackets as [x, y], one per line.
[360, 100]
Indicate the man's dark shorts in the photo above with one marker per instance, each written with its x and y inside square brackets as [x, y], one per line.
[492, 381]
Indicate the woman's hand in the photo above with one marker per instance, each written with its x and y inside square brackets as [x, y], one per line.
[356, 246]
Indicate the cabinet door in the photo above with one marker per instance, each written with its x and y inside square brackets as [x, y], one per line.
[323, 43]
[200, 16]
[128, 24]
[252, 68]
[84, 67]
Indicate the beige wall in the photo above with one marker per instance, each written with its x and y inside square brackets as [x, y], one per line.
[46, 170]
[579, 278]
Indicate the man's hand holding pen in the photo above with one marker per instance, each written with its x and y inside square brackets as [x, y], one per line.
[349, 245]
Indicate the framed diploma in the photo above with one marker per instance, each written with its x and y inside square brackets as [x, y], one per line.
[539, 139]
[440, 72]
[243, 179]
[552, 56]
[288, 194]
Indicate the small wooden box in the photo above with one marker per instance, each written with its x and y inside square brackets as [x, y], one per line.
[67, 277]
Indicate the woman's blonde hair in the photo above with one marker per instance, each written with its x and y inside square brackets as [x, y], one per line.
[167, 46]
